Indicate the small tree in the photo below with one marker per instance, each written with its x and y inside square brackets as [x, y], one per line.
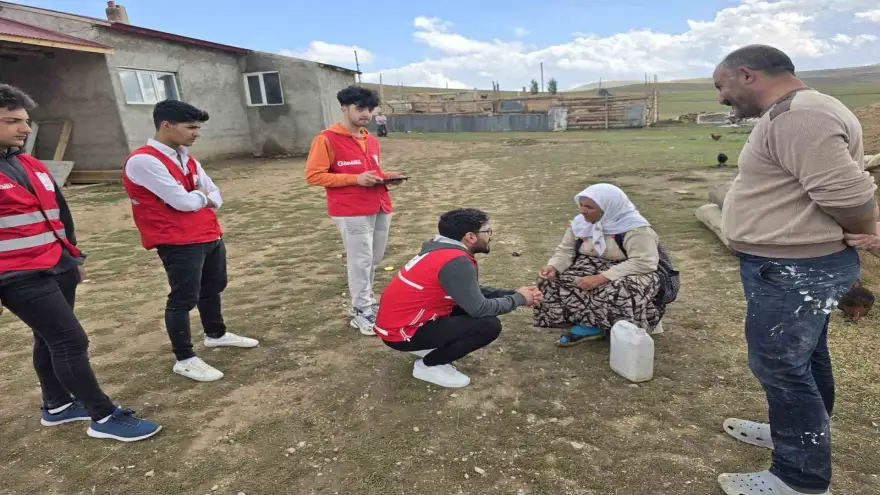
[524, 89]
[534, 87]
[551, 86]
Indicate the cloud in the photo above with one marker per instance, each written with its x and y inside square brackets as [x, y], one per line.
[436, 33]
[432, 24]
[418, 74]
[814, 33]
[855, 41]
[521, 31]
[871, 15]
[330, 53]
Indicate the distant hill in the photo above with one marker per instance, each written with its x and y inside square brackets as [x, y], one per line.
[869, 74]
[604, 84]
[854, 86]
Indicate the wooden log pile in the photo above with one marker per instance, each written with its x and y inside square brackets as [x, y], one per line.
[605, 112]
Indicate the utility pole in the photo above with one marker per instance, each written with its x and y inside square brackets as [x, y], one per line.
[358, 64]
[381, 89]
[542, 77]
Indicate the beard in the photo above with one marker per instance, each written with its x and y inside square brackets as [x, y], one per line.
[746, 108]
[746, 112]
[480, 248]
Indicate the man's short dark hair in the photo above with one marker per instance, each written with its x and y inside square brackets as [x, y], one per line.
[358, 96]
[458, 223]
[762, 58]
[177, 112]
[12, 98]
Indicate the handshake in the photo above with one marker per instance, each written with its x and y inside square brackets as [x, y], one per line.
[532, 294]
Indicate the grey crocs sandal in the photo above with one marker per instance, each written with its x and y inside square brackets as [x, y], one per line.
[763, 483]
[749, 432]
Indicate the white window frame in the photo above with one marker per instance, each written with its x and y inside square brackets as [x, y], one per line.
[154, 75]
[247, 89]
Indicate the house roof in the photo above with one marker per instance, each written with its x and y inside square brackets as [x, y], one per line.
[128, 28]
[19, 32]
[56, 13]
[337, 67]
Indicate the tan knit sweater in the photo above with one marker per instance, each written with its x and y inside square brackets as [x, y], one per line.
[640, 244]
[801, 167]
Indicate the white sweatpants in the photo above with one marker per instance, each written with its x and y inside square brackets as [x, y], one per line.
[365, 239]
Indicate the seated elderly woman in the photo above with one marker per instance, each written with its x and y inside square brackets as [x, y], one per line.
[607, 268]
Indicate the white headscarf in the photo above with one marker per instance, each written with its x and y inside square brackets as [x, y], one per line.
[620, 215]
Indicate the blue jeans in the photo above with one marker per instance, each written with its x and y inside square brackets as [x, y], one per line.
[789, 306]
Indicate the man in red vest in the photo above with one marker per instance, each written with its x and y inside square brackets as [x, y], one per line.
[40, 268]
[173, 202]
[344, 159]
[435, 307]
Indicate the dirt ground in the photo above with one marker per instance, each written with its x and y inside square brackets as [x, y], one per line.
[319, 409]
[870, 119]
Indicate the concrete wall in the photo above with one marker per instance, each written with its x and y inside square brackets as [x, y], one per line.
[333, 81]
[308, 91]
[538, 122]
[207, 78]
[75, 86]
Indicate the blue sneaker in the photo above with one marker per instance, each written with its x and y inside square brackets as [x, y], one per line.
[76, 412]
[124, 426]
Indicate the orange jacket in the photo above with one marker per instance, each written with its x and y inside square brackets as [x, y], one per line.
[321, 156]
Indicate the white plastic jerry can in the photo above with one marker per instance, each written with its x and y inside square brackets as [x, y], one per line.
[632, 352]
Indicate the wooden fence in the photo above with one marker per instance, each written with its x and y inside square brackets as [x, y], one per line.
[584, 112]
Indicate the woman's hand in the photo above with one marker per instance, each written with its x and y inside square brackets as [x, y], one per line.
[591, 282]
[548, 273]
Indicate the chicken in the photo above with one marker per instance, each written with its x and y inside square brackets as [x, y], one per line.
[722, 160]
[856, 302]
[715, 137]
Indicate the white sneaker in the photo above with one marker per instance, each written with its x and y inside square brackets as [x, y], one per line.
[198, 370]
[229, 339]
[444, 375]
[421, 354]
[352, 312]
[364, 323]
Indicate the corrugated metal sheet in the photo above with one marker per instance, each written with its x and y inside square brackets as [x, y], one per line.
[21, 30]
[467, 123]
[512, 106]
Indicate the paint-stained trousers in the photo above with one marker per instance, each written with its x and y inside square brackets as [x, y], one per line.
[789, 306]
[365, 239]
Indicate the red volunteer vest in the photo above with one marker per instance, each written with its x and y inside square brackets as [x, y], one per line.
[350, 158]
[415, 296]
[159, 223]
[31, 232]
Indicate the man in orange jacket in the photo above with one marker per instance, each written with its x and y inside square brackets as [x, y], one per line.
[344, 159]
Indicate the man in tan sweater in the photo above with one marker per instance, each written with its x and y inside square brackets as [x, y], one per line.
[801, 188]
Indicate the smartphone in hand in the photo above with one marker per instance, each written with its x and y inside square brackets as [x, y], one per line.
[395, 180]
